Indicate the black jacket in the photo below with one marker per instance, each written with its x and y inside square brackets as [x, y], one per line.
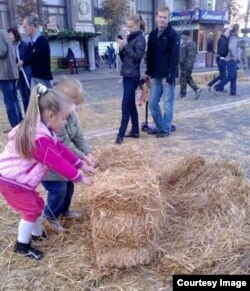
[163, 54]
[222, 50]
[132, 54]
[38, 58]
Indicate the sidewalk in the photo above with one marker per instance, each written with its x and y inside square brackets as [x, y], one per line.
[103, 73]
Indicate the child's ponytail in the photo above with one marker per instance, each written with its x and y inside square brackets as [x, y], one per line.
[41, 99]
[142, 24]
[26, 131]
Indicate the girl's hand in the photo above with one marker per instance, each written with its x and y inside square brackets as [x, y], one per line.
[93, 160]
[88, 169]
[87, 160]
[88, 181]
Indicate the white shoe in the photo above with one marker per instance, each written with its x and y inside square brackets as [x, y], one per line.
[55, 225]
[72, 214]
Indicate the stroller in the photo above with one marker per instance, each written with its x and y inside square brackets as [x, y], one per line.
[144, 89]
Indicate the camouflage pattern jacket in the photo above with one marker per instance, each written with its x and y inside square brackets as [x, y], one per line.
[187, 55]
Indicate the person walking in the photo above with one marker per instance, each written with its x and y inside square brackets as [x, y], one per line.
[24, 72]
[71, 61]
[222, 53]
[162, 67]
[38, 55]
[210, 50]
[132, 50]
[187, 59]
[231, 61]
[8, 77]
[111, 56]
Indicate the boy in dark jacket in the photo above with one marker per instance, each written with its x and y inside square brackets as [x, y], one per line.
[162, 67]
[222, 52]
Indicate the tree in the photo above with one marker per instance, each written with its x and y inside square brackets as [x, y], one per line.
[234, 11]
[115, 12]
[29, 7]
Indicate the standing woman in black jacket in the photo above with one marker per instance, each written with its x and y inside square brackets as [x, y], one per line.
[132, 50]
[222, 52]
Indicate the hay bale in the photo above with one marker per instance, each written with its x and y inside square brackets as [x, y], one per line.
[129, 157]
[206, 227]
[125, 229]
[127, 210]
[183, 174]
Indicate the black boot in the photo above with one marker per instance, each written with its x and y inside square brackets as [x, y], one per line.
[28, 250]
[118, 140]
[41, 237]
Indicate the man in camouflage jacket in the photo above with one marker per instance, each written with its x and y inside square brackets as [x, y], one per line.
[187, 59]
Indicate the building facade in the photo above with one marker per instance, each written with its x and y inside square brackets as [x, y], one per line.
[201, 17]
[59, 15]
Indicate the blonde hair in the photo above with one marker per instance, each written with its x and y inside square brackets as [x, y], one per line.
[162, 9]
[72, 88]
[135, 18]
[51, 100]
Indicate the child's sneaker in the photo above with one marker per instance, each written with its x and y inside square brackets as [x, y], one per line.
[28, 250]
[72, 214]
[41, 237]
[55, 225]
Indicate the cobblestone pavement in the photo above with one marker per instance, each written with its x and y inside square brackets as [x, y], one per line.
[216, 127]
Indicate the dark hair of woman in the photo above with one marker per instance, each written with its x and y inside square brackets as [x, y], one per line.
[16, 34]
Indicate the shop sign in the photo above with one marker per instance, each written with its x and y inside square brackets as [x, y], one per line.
[186, 27]
[181, 16]
[51, 28]
[213, 16]
[198, 15]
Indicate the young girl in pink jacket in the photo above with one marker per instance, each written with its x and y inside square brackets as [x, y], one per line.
[31, 150]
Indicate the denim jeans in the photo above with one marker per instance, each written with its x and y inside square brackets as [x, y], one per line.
[112, 61]
[11, 102]
[160, 88]
[222, 66]
[128, 106]
[59, 197]
[231, 77]
[36, 81]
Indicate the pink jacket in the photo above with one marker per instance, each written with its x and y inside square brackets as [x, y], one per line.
[49, 153]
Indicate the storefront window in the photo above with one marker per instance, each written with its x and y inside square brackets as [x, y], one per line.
[144, 5]
[98, 3]
[56, 15]
[4, 16]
